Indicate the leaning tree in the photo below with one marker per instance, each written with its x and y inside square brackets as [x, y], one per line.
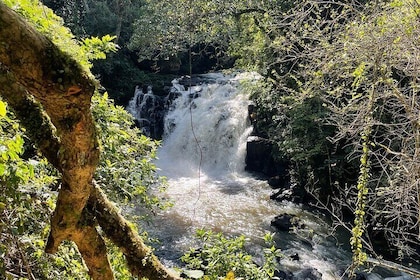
[50, 93]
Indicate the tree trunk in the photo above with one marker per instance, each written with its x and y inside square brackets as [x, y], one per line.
[51, 95]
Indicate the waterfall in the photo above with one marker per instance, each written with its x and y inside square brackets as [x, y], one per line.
[147, 110]
[206, 127]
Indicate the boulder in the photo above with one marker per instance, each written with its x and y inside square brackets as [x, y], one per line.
[284, 222]
[259, 156]
[308, 274]
[295, 257]
[276, 182]
[283, 275]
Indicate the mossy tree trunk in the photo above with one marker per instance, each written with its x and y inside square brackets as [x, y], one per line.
[51, 95]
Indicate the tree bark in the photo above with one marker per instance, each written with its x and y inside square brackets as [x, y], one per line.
[51, 95]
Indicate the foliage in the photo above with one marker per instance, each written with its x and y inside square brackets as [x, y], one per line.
[220, 256]
[120, 72]
[169, 27]
[126, 168]
[51, 25]
[29, 200]
[322, 60]
[121, 142]
[25, 205]
[340, 54]
[98, 18]
[373, 84]
[96, 48]
[28, 187]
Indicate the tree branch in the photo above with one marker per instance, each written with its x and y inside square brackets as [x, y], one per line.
[39, 76]
[140, 259]
[394, 266]
[41, 70]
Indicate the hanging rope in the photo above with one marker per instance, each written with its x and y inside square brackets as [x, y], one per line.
[190, 30]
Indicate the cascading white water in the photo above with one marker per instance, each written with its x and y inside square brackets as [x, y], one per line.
[146, 108]
[206, 128]
[203, 157]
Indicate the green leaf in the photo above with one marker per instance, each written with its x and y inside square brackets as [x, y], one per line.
[2, 169]
[3, 110]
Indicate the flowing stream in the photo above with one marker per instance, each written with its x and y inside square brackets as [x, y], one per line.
[203, 155]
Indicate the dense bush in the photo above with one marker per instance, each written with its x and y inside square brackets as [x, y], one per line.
[219, 256]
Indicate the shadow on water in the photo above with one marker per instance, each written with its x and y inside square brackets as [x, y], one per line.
[230, 188]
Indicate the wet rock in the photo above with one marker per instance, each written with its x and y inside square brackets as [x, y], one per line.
[194, 95]
[373, 276]
[284, 222]
[402, 277]
[148, 111]
[276, 182]
[308, 274]
[287, 193]
[282, 194]
[252, 113]
[295, 257]
[283, 275]
[259, 156]
[361, 276]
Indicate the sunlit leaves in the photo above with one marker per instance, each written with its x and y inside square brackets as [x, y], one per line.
[12, 168]
[126, 170]
[52, 26]
[97, 48]
[168, 27]
[25, 205]
[220, 256]
[2, 109]
[378, 56]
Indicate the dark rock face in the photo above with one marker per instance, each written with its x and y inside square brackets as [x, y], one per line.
[148, 111]
[283, 275]
[259, 156]
[361, 276]
[278, 182]
[309, 274]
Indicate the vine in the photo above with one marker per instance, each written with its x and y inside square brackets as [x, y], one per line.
[356, 241]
